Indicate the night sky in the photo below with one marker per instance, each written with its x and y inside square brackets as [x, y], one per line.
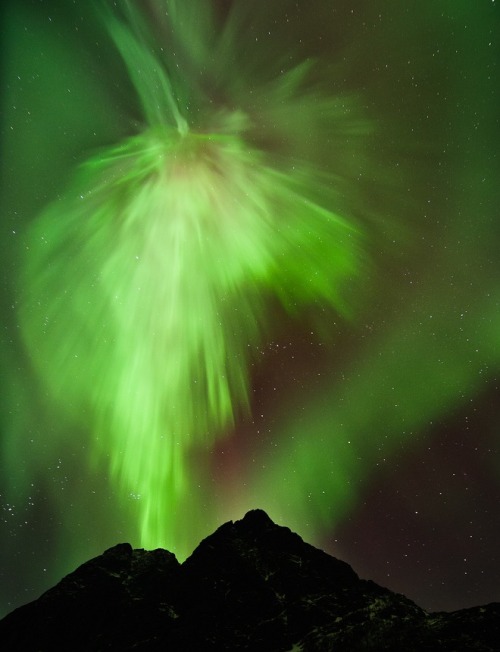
[364, 417]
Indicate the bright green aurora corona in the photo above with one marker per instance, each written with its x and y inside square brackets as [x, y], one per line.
[152, 279]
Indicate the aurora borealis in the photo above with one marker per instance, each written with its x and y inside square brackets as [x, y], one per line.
[251, 259]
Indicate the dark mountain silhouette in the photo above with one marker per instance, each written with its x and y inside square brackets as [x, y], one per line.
[252, 585]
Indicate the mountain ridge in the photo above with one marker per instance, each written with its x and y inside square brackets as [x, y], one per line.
[251, 585]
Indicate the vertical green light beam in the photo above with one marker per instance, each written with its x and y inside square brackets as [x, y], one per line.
[148, 281]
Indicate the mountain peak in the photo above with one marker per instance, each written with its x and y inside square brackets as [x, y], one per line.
[257, 518]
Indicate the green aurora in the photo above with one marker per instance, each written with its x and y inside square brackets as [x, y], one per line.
[172, 245]
[260, 179]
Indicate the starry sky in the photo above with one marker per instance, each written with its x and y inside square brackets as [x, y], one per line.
[371, 425]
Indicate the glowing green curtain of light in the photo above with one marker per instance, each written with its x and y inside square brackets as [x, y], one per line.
[146, 283]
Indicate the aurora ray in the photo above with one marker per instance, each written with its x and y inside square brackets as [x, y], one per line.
[150, 280]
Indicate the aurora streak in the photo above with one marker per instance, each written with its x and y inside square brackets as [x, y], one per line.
[171, 244]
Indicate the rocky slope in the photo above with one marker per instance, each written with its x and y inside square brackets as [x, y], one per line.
[252, 585]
